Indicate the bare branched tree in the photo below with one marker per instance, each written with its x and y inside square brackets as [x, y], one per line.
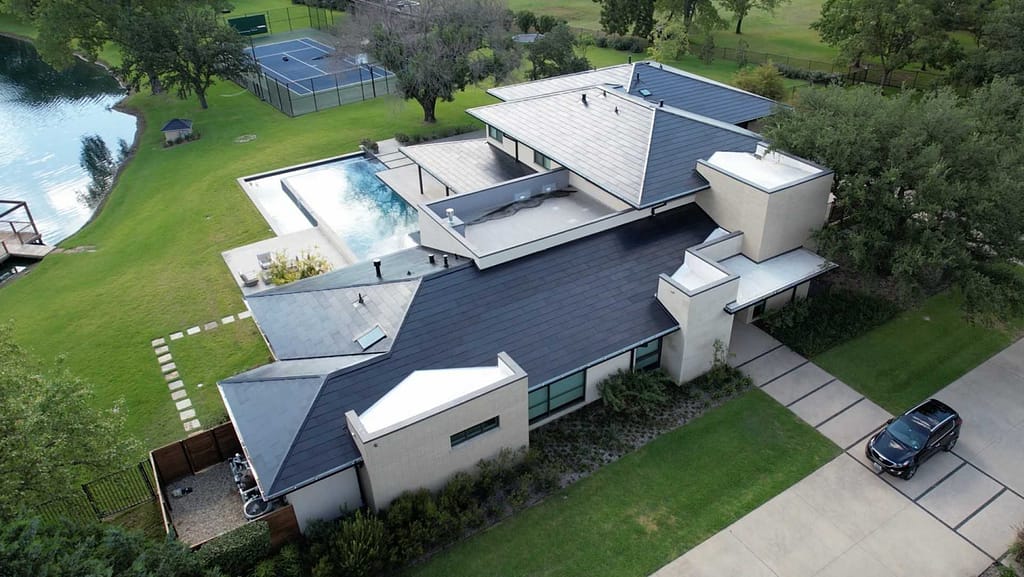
[436, 50]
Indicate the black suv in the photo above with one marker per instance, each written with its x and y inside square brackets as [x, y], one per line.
[913, 437]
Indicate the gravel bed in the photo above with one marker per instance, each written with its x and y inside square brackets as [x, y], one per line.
[213, 507]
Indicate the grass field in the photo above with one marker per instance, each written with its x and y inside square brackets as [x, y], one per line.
[643, 511]
[919, 352]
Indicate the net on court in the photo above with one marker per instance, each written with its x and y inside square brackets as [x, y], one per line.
[307, 66]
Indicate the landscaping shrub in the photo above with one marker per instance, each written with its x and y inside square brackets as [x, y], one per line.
[812, 76]
[308, 264]
[813, 325]
[414, 524]
[1017, 549]
[601, 40]
[764, 80]
[722, 380]
[370, 144]
[237, 552]
[287, 563]
[635, 393]
[445, 132]
[460, 503]
[355, 546]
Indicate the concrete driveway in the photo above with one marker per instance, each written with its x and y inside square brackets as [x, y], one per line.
[952, 520]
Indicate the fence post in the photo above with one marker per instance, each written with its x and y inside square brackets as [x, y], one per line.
[288, 12]
[337, 89]
[312, 88]
[362, 86]
[288, 91]
[145, 477]
[92, 502]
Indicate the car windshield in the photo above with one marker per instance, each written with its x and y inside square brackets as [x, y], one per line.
[908, 433]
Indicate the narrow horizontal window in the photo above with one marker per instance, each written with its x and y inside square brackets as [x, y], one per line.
[495, 134]
[474, 431]
[541, 160]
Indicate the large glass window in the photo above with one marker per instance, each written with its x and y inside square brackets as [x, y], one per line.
[647, 357]
[541, 160]
[495, 134]
[474, 431]
[557, 395]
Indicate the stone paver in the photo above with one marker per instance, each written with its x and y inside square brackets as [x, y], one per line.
[183, 404]
[722, 554]
[748, 342]
[157, 342]
[993, 527]
[825, 402]
[854, 423]
[162, 359]
[179, 394]
[186, 415]
[161, 350]
[210, 326]
[171, 375]
[960, 495]
[928, 474]
[192, 425]
[168, 367]
[193, 331]
[771, 365]
[227, 320]
[855, 562]
[176, 336]
[175, 385]
[244, 315]
[797, 383]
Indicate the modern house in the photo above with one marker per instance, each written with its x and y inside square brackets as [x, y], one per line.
[621, 218]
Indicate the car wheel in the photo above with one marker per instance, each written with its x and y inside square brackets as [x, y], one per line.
[909, 474]
[951, 444]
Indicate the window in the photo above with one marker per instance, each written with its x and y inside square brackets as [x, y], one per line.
[557, 395]
[495, 134]
[758, 310]
[371, 337]
[647, 357]
[474, 431]
[541, 160]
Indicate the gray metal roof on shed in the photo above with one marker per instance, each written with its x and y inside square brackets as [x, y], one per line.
[697, 94]
[642, 153]
[552, 312]
[319, 321]
[177, 124]
[466, 165]
[611, 76]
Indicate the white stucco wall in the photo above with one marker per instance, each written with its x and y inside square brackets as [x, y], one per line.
[702, 321]
[327, 498]
[601, 371]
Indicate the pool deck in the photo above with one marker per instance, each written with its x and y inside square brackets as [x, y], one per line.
[243, 259]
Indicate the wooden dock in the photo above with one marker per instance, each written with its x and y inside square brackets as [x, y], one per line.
[20, 238]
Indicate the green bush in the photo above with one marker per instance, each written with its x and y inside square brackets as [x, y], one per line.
[525, 20]
[370, 144]
[287, 563]
[601, 40]
[722, 380]
[813, 76]
[237, 552]
[545, 23]
[460, 504]
[764, 80]
[635, 393]
[814, 325]
[414, 524]
[1017, 549]
[355, 546]
[308, 264]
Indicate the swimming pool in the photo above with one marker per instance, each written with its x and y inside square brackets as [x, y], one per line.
[344, 196]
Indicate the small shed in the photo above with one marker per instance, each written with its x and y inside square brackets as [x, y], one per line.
[177, 128]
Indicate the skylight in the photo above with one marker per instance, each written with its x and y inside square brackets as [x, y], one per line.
[371, 337]
[644, 92]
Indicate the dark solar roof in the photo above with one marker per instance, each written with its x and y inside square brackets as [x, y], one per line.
[552, 312]
[697, 95]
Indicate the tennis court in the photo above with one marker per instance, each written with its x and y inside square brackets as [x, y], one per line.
[308, 66]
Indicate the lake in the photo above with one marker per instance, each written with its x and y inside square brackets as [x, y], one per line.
[43, 116]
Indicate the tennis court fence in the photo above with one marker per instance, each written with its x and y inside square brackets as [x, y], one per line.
[281, 20]
[329, 91]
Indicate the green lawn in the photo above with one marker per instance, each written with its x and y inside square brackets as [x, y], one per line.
[911, 357]
[639, 513]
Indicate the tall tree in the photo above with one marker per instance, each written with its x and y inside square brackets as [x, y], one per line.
[896, 32]
[634, 17]
[51, 437]
[934, 195]
[555, 54]
[701, 12]
[441, 50]
[1000, 46]
[206, 50]
[740, 8]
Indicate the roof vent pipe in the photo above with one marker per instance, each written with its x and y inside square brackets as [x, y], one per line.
[451, 215]
[445, 258]
[583, 98]
[661, 104]
[638, 77]
[430, 259]
[376, 266]
[360, 298]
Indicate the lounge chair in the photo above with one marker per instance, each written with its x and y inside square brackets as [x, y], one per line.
[264, 258]
[249, 279]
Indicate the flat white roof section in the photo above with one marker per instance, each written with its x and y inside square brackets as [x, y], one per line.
[696, 273]
[423, 391]
[765, 170]
[759, 281]
[466, 165]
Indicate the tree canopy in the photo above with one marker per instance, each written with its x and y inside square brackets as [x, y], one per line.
[1000, 45]
[740, 8]
[929, 188]
[555, 54]
[447, 46]
[51, 437]
[896, 32]
[634, 17]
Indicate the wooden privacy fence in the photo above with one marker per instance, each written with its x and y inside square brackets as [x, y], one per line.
[191, 455]
[106, 496]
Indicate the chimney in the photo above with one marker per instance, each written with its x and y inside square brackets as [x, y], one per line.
[583, 98]
[430, 259]
[661, 104]
[376, 265]
[451, 215]
[445, 258]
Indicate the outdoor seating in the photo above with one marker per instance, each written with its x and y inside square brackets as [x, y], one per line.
[249, 279]
[264, 258]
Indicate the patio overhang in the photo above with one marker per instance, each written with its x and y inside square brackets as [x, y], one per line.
[465, 165]
[763, 280]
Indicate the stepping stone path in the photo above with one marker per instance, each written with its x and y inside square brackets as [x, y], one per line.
[176, 386]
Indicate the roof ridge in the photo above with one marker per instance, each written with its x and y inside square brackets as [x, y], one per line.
[647, 157]
[580, 73]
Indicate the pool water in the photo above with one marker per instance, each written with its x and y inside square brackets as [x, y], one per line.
[346, 196]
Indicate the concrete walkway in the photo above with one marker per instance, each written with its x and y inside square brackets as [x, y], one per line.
[953, 519]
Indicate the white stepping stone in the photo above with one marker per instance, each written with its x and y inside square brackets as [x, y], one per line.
[210, 326]
[171, 376]
[158, 342]
[189, 414]
[176, 385]
[199, 386]
[227, 320]
[168, 367]
[161, 350]
[176, 336]
[179, 394]
[192, 425]
[193, 331]
[183, 404]
[164, 358]
[244, 315]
